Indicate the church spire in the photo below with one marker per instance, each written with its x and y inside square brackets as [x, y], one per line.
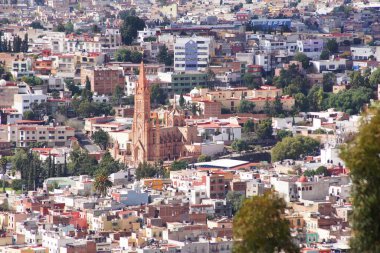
[143, 84]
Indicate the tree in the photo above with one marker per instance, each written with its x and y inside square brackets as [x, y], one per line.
[264, 129]
[246, 106]
[239, 145]
[249, 126]
[102, 183]
[88, 84]
[332, 46]
[17, 184]
[361, 155]
[36, 25]
[281, 134]
[157, 95]
[101, 138]
[235, 199]
[59, 28]
[260, 226]
[145, 170]
[117, 95]
[126, 55]
[294, 148]
[136, 57]
[164, 56]
[3, 167]
[32, 80]
[328, 82]
[325, 55]
[322, 170]
[204, 158]
[28, 115]
[315, 98]
[95, 28]
[357, 80]
[178, 165]
[181, 100]
[301, 103]
[350, 101]
[129, 28]
[301, 57]
[374, 78]
[69, 27]
[250, 81]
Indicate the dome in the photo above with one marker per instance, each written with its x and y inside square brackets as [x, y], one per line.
[302, 179]
[3, 82]
[194, 92]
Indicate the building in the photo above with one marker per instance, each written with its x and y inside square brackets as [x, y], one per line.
[23, 135]
[182, 82]
[24, 102]
[312, 48]
[192, 53]
[103, 80]
[154, 139]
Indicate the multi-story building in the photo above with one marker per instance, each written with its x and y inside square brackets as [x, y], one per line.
[182, 82]
[103, 80]
[311, 47]
[192, 53]
[23, 102]
[22, 135]
[335, 65]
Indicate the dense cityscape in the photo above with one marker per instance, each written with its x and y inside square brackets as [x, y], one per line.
[184, 126]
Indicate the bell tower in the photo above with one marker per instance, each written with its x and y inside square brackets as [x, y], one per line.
[141, 119]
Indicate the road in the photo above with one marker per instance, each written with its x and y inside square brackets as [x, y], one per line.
[86, 143]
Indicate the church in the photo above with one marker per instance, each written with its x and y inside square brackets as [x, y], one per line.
[159, 136]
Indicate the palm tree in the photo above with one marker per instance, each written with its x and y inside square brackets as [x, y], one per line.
[102, 183]
[3, 166]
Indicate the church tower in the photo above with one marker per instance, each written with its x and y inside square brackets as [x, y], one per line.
[141, 120]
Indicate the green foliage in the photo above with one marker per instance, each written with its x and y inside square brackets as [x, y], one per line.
[75, 90]
[145, 170]
[251, 82]
[325, 55]
[294, 148]
[321, 170]
[102, 183]
[36, 25]
[117, 95]
[249, 126]
[28, 115]
[235, 199]
[129, 28]
[158, 95]
[315, 98]
[301, 57]
[67, 28]
[95, 29]
[328, 82]
[204, 158]
[358, 80]
[125, 55]
[260, 227]
[361, 155]
[350, 101]
[374, 78]
[81, 163]
[301, 103]
[264, 129]
[164, 56]
[332, 46]
[292, 81]
[101, 138]
[17, 184]
[178, 165]
[181, 100]
[32, 80]
[239, 145]
[246, 106]
[281, 134]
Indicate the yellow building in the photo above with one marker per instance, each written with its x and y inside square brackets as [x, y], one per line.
[122, 221]
[23, 249]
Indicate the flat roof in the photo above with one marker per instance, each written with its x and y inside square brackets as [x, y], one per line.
[222, 163]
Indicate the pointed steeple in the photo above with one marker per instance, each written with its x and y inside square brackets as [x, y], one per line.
[143, 83]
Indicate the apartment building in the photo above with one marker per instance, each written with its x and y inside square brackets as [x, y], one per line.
[184, 82]
[192, 53]
[103, 80]
[311, 47]
[23, 102]
[22, 135]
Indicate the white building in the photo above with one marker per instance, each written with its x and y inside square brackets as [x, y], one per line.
[329, 65]
[362, 52]
[192, 53]
[312, 48]
[23, 102]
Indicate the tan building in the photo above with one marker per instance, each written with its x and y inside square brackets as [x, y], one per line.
[7, 92]
[103, 80]
[22, 135]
